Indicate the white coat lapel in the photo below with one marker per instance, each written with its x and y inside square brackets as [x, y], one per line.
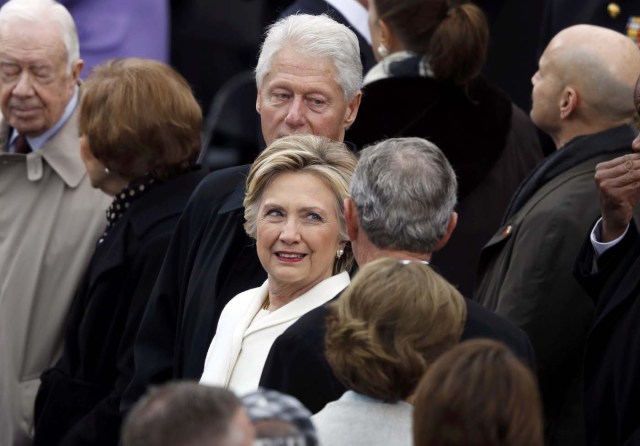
[315, 297]
[243, 321]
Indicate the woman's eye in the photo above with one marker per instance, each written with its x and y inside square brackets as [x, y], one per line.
[273, 213]
[314, 217]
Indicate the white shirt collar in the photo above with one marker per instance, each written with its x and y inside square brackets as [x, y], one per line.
[356, 15]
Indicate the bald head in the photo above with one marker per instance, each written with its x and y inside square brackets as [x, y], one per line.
[593, 71]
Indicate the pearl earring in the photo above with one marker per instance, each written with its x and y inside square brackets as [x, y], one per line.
[339, 253]
[382, 50]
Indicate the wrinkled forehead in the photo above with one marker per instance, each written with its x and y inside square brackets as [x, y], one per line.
[25, 40]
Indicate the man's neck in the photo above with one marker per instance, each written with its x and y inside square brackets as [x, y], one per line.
[366, 254]
[583, 129]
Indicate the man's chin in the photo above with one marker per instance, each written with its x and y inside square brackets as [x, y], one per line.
[28, 127]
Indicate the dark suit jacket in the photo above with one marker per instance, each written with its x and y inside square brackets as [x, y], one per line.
[78, 401]
[317, 7]
[210, 259]
[296, 364]
[612, 358]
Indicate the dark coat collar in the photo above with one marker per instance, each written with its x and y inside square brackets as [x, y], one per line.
[615, 141]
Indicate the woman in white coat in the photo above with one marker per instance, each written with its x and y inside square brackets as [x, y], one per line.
[294, 211]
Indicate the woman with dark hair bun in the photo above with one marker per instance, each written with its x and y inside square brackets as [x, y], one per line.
[428, 84]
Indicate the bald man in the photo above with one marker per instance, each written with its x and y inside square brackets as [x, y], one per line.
[582, 97]
[607, 268]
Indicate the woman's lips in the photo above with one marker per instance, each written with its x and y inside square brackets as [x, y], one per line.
[290, 257]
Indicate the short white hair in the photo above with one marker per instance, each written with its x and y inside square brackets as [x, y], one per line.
[44, 11]
[315, 36]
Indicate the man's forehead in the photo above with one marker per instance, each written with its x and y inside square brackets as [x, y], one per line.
[290, 65]
[31, 40]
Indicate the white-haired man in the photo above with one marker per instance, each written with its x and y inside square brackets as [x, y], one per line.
[308, 77]
[50, 216]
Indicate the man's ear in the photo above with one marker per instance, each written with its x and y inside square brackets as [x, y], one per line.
[351, 218]
[258, 102]
[568, 102]
[352, 109]
[453, 221]
[76, 69]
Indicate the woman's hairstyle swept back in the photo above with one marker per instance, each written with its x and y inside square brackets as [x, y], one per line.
[140, 117]
[330, 161]
[395, 318]
[454, 35]
[478, 394]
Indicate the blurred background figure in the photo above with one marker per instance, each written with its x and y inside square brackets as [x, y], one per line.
[140, 148]
[294, 211]
[477, 394]
[187, 414]
[279, 419]
[428, 84]
[387, 328]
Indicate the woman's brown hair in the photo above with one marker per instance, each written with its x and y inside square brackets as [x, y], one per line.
[140, 117]
[453, 35]
[394, 319]
[477, 394]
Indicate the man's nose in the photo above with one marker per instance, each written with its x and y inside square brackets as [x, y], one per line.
[24, 86]
[295, 114]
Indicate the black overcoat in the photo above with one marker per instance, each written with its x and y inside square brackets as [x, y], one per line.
[78, 401]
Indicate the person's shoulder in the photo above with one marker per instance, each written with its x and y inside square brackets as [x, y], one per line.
[220, 184]
[241, 300]
[482, 322]
[308, 324]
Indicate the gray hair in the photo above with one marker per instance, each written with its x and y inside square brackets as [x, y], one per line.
[40, 11]
[185, 414]
[315, 36]
[404, 190]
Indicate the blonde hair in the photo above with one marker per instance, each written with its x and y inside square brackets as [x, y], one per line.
[330, 161]
[390, 324]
